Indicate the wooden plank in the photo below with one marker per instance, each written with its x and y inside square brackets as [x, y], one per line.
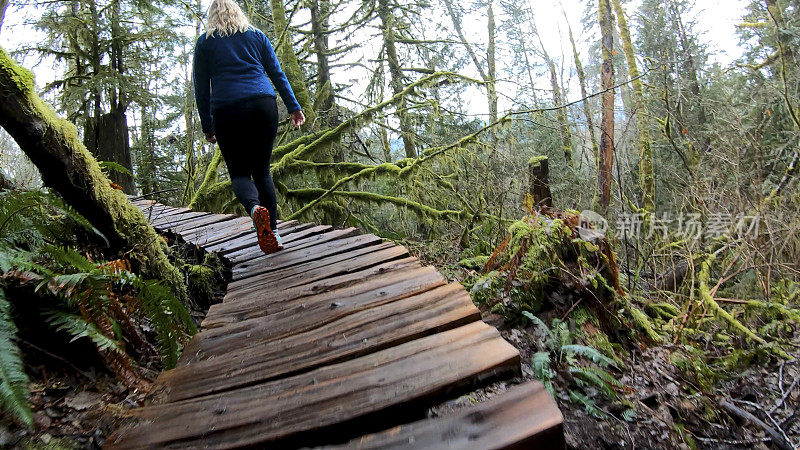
[320, 269]
[203, 222]
[157, 211]
[524, 417]
[286, 231]
[308, 250]
[250, 241]
[165, 222]
[255, 326]
[350, 336]
[331, 403]
[385, 281]
[248, 254]
[219, 232]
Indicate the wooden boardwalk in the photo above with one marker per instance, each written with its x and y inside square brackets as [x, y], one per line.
[337, 336]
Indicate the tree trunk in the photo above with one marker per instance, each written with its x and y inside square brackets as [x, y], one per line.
[606, 162]
[324, 101]
[491, 89]
[539, 183]
[694, 86]
[289, 63]
[587, 111]
[107, 139]
[396, 72]
[490, 77]
[558, 99]
[3, 7]
[67, 167]
[646, 175]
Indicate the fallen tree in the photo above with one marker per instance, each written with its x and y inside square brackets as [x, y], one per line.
[68, 168]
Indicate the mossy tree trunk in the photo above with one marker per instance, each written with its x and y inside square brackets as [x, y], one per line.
[491, 88]
[606, 163]
[190, 120]
[210, 178]
[324, 101]
[396, 73]
[289, 63]
[646, 175]
[67, 167]
[587, 110]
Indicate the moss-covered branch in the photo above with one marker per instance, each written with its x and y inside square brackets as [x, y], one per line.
[379, 198]
[704, 292]
[334, 134]
[409, 165]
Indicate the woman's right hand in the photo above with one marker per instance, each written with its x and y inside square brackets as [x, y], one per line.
[211, 137]
[298, 118]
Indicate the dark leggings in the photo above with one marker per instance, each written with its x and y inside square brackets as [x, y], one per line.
[245, 134]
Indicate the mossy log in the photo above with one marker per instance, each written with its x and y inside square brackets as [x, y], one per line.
[68, 168]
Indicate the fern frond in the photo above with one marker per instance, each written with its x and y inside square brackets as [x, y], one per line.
[169, 316]
[69, 258]
[536, 321]
[590, 353]
[597, 378]
[13, 380]
[542, 370]
[587, 403]
[77, 327]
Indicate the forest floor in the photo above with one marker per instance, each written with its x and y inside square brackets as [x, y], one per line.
[670, 413]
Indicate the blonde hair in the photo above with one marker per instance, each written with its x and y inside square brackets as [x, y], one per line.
[225, 18]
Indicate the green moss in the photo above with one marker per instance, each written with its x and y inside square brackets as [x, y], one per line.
[536, 161]
[690, 361]
[664, 311]
[22, 78]
[474, 263]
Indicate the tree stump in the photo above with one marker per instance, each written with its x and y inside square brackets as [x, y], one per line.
[538, 184]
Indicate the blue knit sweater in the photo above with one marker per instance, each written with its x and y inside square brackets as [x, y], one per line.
[233, 68]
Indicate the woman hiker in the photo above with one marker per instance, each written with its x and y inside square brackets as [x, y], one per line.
[233, 66]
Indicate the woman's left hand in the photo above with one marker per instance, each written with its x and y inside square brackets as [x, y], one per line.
[298, 118]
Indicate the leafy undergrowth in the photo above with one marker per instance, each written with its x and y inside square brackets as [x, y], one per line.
[636, 372]
[82, 336]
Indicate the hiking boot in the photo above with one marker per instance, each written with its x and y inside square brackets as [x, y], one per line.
[266, 238]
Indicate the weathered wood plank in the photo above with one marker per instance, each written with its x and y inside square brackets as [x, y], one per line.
[216, 233]
[265, 317]
[320, 269]
[250, 240]
[316, 247]
[197, 222]
[331, 403]
[525, 417]
[246, 256]
[350, 336]
[200, 222]
[169, 221]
